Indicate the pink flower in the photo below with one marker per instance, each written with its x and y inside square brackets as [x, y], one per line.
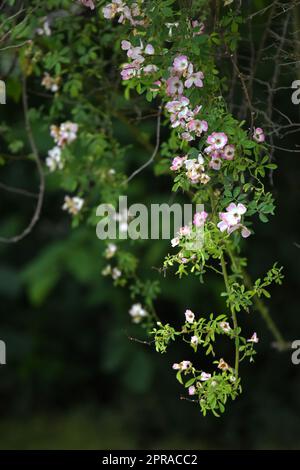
[174, 86]
[156, 85]
[192, 390]
[259, 135]
[111, 9]
[189, 316]
[186, 365]
[88, 3]
[200, 218]
[135, 53]
[187, 136]
[194, 340]
[197, 126]
[231, 217]
[245, 232]
[198, 26]
[180, 63]
[183, 365]
[177, 163]
[217, 140]
[176, 105]
[194, 79]
[185, 231]
[254, 339]
[150, 68]
[215, 162]
[205, 376]
[228, 152]
[149, 49]
[125, 45]
[129, 71]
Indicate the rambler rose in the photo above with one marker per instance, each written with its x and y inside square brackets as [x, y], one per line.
[232, 216]
[189, 316]
[259, 135]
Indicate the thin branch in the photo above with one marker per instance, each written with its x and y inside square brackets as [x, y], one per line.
[156, 148]
[12, 189]
[40, 198]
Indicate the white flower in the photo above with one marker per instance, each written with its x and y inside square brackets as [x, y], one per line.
[194, 340]
[110, 250]
[254, 339]
[192, 390]
[185, 365]
[138, 313]
[50, 83]
[223, 365]
[53, 161]
[149, 49]
[205, 376]
[189, 316]
[65, 133]
[116, 273]
[73, 204]
[106, 271]
[175, 242]
[44, 30]
[224, 325]
[230, 220]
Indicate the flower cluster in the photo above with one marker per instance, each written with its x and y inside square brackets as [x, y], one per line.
[182, 76]
[118, 8]
[54, 161]
[62, 135]
[218, 149]
[186, 119]
[194, 168]
[115, 272]
[65, 133]
[136, 55]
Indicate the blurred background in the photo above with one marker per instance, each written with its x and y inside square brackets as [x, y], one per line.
[74, 379]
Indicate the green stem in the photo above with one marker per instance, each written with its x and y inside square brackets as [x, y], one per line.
[234, 317]
[264, 311]
[260, 306]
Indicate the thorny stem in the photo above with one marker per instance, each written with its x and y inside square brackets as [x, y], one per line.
[234, 318]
